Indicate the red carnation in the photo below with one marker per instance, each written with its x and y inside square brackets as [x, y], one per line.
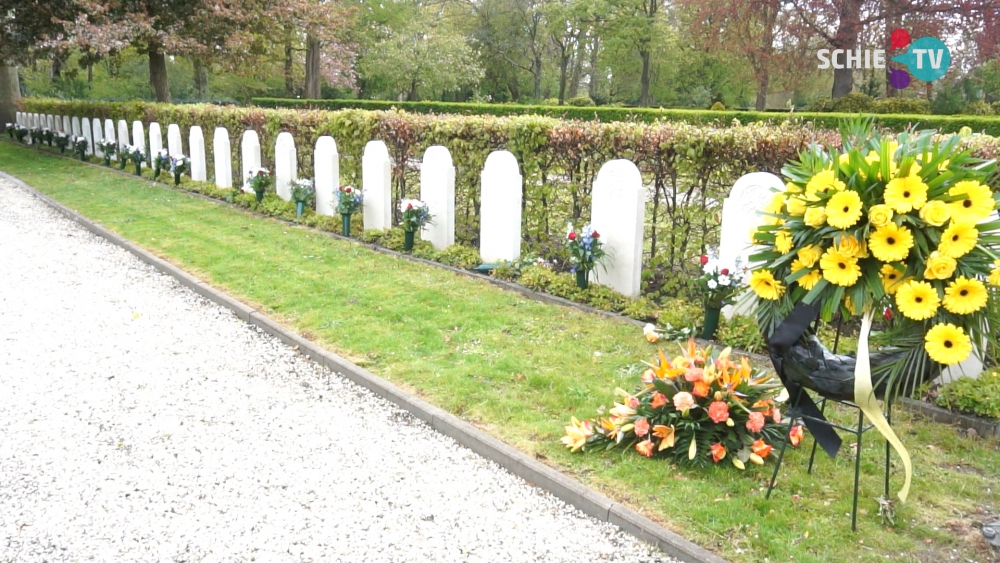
[348, 189]
[888, 314]
[409, 206]
[724, 271]
[571, 235]
[596, 235]
[704, 259]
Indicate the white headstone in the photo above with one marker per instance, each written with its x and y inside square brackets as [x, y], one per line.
[249, 156]
[17, 117]
[50, 122]
[76, 126]
[95, 126]
[326, 161]
[500, 209]
[88, 136]
[437, 190]
[174, 144]
[139, 137]
[66, 127]
[741, 213]
[34, 120]
[376, 185]
[618, 211]
[199, 172]
[123, 135]
[155, 141]
[223, 158]
[109, 134]
[284, 165]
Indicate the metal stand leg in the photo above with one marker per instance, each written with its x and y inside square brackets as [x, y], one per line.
[812, 456]
[781, 452]
[857, 472]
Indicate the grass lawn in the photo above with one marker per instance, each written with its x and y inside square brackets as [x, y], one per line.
[519, 369]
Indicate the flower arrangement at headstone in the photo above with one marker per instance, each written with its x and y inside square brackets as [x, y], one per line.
[879, 225]
[47, 135]
[125, 156]
[719, 285]
[416, 215]
[108, 147]
[302, 194]
[702, 406]
[349, 201]
[138, 156]
[62, 141]
[260, 179]
[178, 165]
[37, 136]
[10, 128]
[21, 132]
[161, 161]
[585, 252]
[80, 145]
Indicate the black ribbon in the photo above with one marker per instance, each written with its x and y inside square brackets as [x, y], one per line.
[785, 336]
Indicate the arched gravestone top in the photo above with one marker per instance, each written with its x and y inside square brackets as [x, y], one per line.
[500, 214]
[618, 210]
[741, 213]
[326, 169]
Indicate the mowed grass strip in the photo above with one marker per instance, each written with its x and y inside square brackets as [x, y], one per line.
[519, 369]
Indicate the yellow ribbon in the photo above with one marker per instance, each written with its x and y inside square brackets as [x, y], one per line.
[864, 396]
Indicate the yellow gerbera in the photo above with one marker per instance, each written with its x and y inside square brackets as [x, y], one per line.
[776, 203]
[843, 209]
[891, 243]
[947, 344]
[994, 278]
[935, 212]
[906, 193]
[808, 255]
[976, 204]
[807, 281]
[783, 241]
[815, 217]
[917, 300]
[823, 181]
[939, 266]
[880, 215]
[762, 283]
[958, 239]
[839, 269]
[965, 296]
[891, 278]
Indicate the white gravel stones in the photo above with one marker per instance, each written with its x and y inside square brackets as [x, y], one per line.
[140, 422]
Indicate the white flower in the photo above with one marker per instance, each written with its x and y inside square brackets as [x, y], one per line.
[712, 284]
[724, 280]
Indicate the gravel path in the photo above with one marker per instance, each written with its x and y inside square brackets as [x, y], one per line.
[140, 422]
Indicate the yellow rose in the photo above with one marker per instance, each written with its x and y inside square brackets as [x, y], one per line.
[935, 213]
[809, 255]
[796, 206]
[880, 215]
[777, 202]
[939, 266]
[850, 246]
[792, 188]
[815, 217]
[994, 278]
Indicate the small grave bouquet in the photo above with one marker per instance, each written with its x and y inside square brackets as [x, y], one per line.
[161, 161]
[701, 406]
[125, 156]
[47, 135]
[178, 165]
[719, 286]
[80, 145]
[37, 136]
[62, 141]
[260, 179]
[109, 147]
[138, 156]
[416, 214]
[302, 194]
[585, 252]
[21, 132]
[10, 128]
[349, 201]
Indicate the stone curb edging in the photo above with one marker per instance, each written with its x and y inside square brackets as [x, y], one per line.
[984, 427]
[534, 472]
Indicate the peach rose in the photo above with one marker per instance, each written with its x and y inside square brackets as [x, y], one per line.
[683, 401]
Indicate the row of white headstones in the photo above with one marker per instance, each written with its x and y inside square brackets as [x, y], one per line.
[618, 202]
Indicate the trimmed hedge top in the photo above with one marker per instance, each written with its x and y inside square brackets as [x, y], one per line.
[989, 125]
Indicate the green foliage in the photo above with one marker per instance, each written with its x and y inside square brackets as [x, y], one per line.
[718, 106]
[978, 107]
[581, 101]
[741, 332]
[540, 278]
[980, 397]
[917, 106]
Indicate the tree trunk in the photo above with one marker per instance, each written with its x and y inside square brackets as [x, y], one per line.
[893, 20]
[846, 38]
[536, 74]
[90, 73]
[158, 74]
[10, 92]
[289, 84]
[57, 65]
[763, 80]
[644, 100]
[200, 79]
[412, 96]
[574, 77]
[312, 68]
[592, 84]
[563, 75]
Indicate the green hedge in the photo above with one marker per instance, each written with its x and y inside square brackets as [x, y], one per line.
[989, 125]
[688, 168]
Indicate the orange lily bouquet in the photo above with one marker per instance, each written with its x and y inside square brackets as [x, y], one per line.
[700, 406]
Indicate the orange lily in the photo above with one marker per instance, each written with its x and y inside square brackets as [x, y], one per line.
[666, 436]
[761, 448]
[718, 452]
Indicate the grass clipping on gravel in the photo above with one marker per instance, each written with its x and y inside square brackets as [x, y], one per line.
[519, 369]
